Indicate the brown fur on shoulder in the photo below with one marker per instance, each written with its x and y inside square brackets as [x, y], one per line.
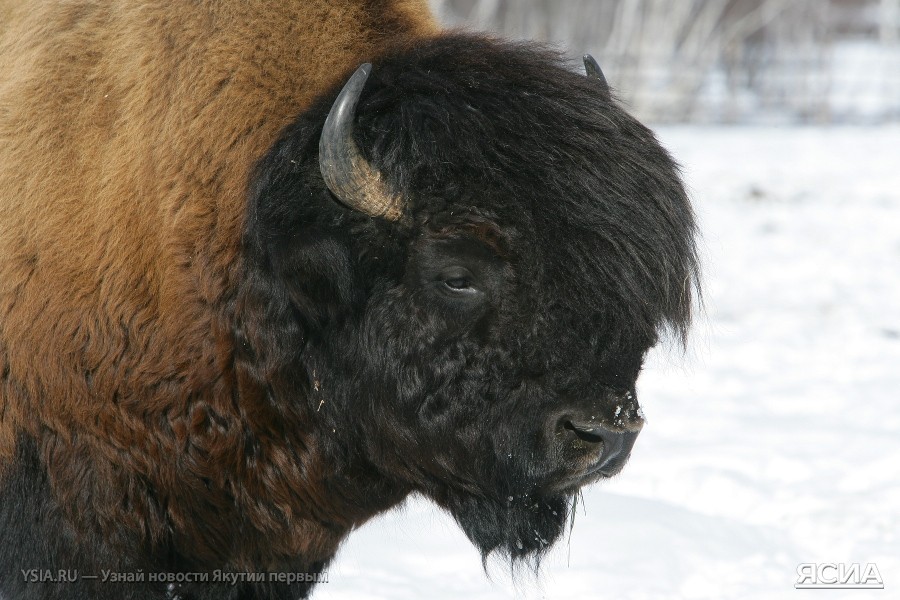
[127, 132]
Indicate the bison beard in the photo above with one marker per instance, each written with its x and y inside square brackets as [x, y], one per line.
[476, 345]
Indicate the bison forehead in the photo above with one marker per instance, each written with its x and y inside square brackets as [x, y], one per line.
[585, 194]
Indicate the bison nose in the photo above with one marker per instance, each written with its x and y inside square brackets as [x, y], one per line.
[616, 445]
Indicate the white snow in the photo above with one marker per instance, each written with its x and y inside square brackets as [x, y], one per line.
[774, 442]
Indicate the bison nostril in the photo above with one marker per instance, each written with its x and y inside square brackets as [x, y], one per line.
[613, 441]
[614, 446]
[592, 435]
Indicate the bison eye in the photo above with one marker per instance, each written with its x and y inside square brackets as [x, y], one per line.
[458, 281]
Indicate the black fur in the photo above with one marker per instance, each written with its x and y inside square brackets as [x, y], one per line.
[42, 558]
[570, 217]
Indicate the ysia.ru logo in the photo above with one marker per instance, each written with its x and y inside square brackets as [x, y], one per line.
[838, 576]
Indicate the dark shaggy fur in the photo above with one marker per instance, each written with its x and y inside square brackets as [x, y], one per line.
[265, 369]
[574, 219]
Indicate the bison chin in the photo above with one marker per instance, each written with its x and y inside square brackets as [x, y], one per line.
[520, 529]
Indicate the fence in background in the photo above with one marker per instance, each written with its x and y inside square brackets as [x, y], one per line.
[721, 60]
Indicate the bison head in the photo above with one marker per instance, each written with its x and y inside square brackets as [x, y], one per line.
[451, 283]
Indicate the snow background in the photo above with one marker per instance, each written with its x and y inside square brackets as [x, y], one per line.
[774, 441]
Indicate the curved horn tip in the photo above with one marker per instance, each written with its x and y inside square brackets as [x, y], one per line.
[363, 71]
[592, 69]
[348, 98]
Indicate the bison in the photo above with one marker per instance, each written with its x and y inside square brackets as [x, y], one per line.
[268, 267]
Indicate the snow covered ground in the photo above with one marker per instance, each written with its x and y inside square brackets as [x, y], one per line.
[775, 441]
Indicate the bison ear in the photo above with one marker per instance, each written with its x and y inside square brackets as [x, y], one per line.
[318, 276]
[592, 69]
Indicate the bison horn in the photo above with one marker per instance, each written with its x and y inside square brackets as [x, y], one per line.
[593, 70]
[347, 174]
